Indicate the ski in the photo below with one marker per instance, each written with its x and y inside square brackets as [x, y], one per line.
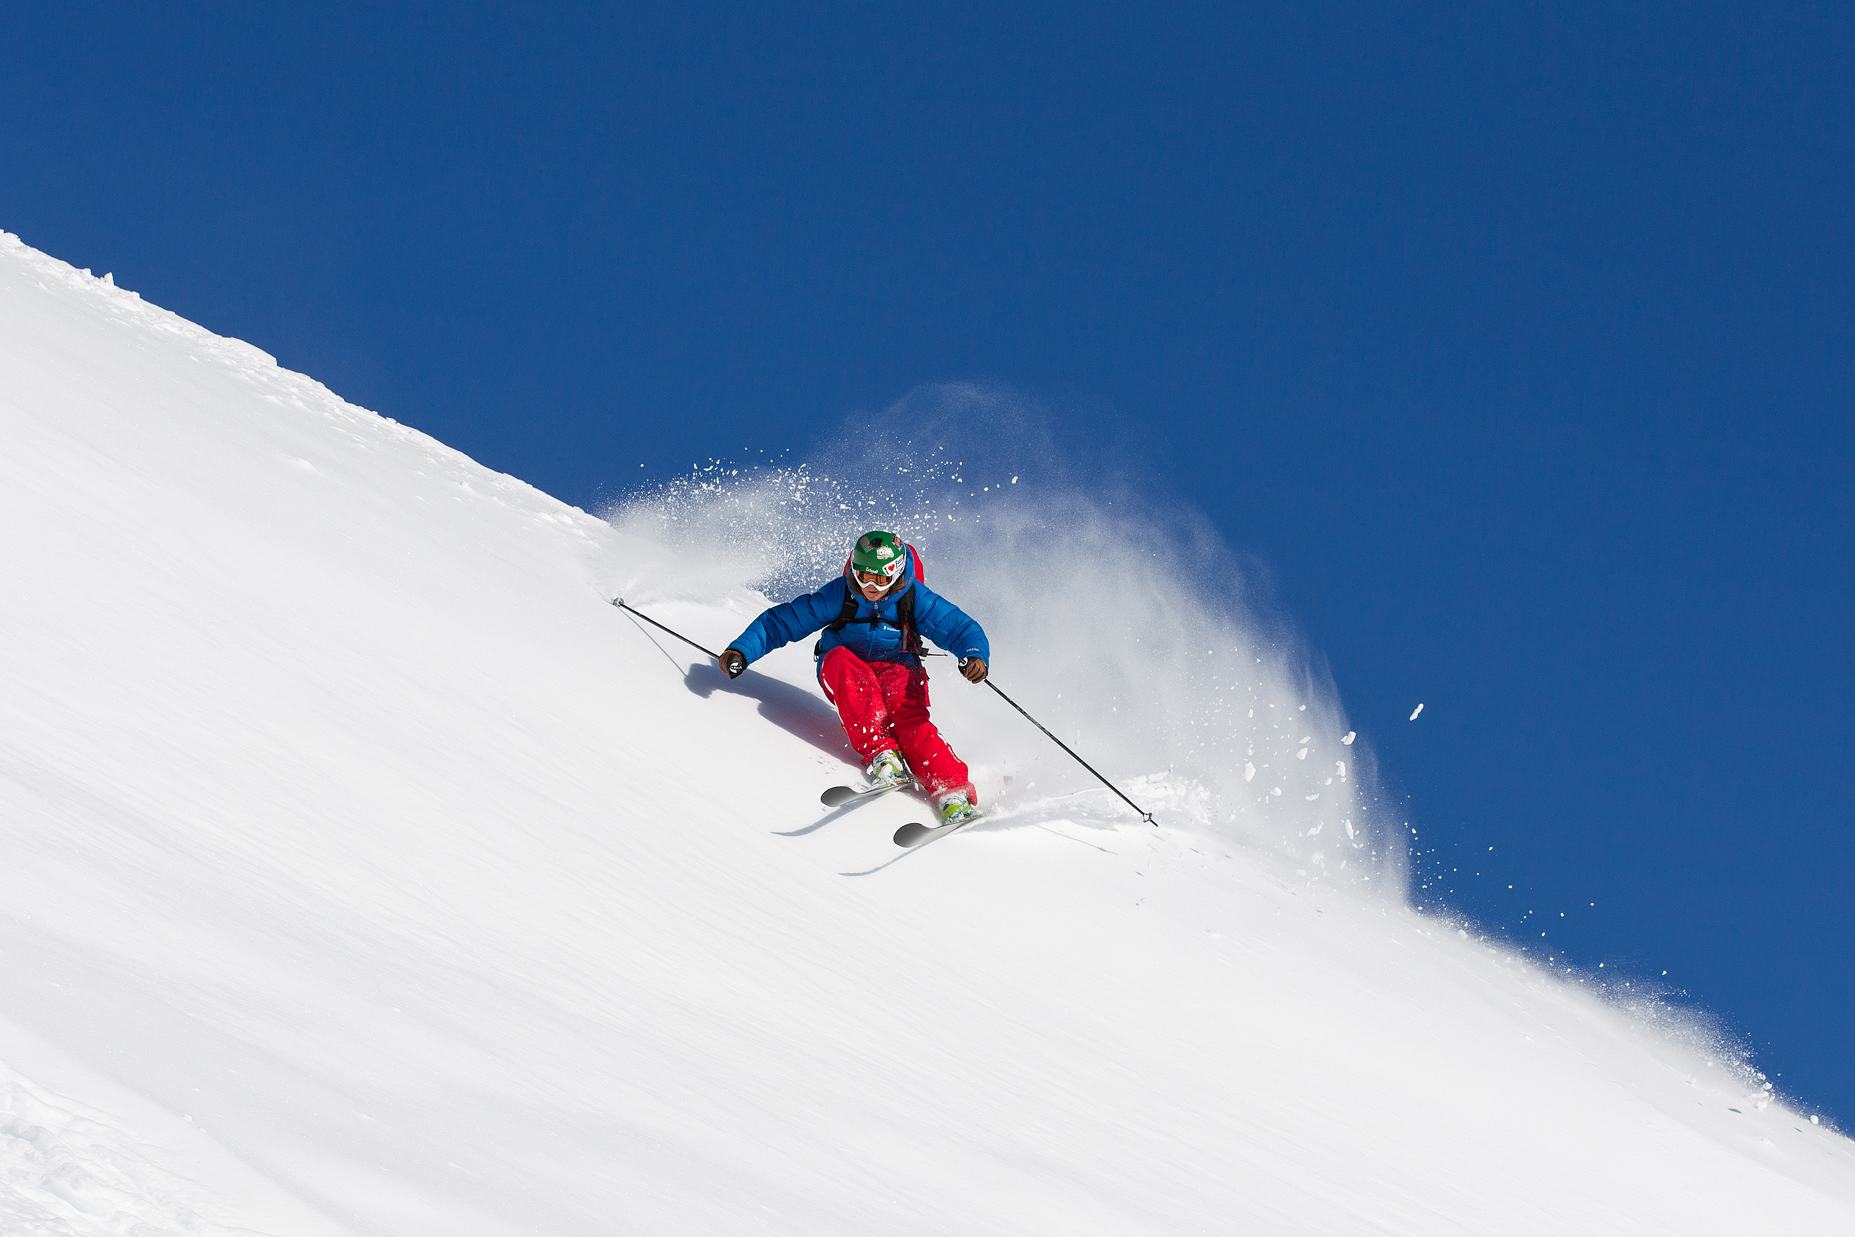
[837, 796]
[912, 835]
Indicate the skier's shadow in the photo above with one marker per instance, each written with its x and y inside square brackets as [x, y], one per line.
[792, 709]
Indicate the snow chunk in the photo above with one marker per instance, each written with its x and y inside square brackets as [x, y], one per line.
[1350, 736]
[1416, 711]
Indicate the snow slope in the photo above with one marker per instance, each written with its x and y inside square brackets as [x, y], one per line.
[367, 873]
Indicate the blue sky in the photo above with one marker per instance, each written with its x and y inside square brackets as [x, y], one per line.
[1517, 344]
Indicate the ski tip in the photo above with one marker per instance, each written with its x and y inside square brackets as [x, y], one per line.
[837, 795]
[912, 835]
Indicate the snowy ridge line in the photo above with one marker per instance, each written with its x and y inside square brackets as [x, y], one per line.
[289, 389]
[235, 353]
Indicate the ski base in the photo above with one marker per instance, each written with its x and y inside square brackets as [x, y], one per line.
[837, 796]
[912, 835]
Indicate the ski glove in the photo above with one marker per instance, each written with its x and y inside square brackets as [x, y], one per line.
[973, 668]
[733, 663]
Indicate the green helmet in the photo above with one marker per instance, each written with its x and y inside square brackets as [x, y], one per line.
[880, 551]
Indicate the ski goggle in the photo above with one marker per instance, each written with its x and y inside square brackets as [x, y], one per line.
[882, 577]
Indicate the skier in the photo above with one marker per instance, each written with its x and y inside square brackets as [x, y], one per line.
[869, 664]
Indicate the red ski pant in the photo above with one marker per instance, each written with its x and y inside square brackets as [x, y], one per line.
[884, 705]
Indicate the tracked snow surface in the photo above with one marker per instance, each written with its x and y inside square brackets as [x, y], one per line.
[365, 872]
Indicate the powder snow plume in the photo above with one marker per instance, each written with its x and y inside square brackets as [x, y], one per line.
[1128, 628]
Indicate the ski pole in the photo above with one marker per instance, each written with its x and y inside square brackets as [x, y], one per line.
[620, 603]
[1144, 815]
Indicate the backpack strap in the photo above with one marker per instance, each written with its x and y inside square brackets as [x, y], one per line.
[905, 611]
[846, 615]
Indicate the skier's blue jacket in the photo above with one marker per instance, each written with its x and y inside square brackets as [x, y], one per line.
[935, 617]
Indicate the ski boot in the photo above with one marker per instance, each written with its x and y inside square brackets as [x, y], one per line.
[886, 770]
[956, 808]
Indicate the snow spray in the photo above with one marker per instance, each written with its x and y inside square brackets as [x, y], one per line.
[1142, 639]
